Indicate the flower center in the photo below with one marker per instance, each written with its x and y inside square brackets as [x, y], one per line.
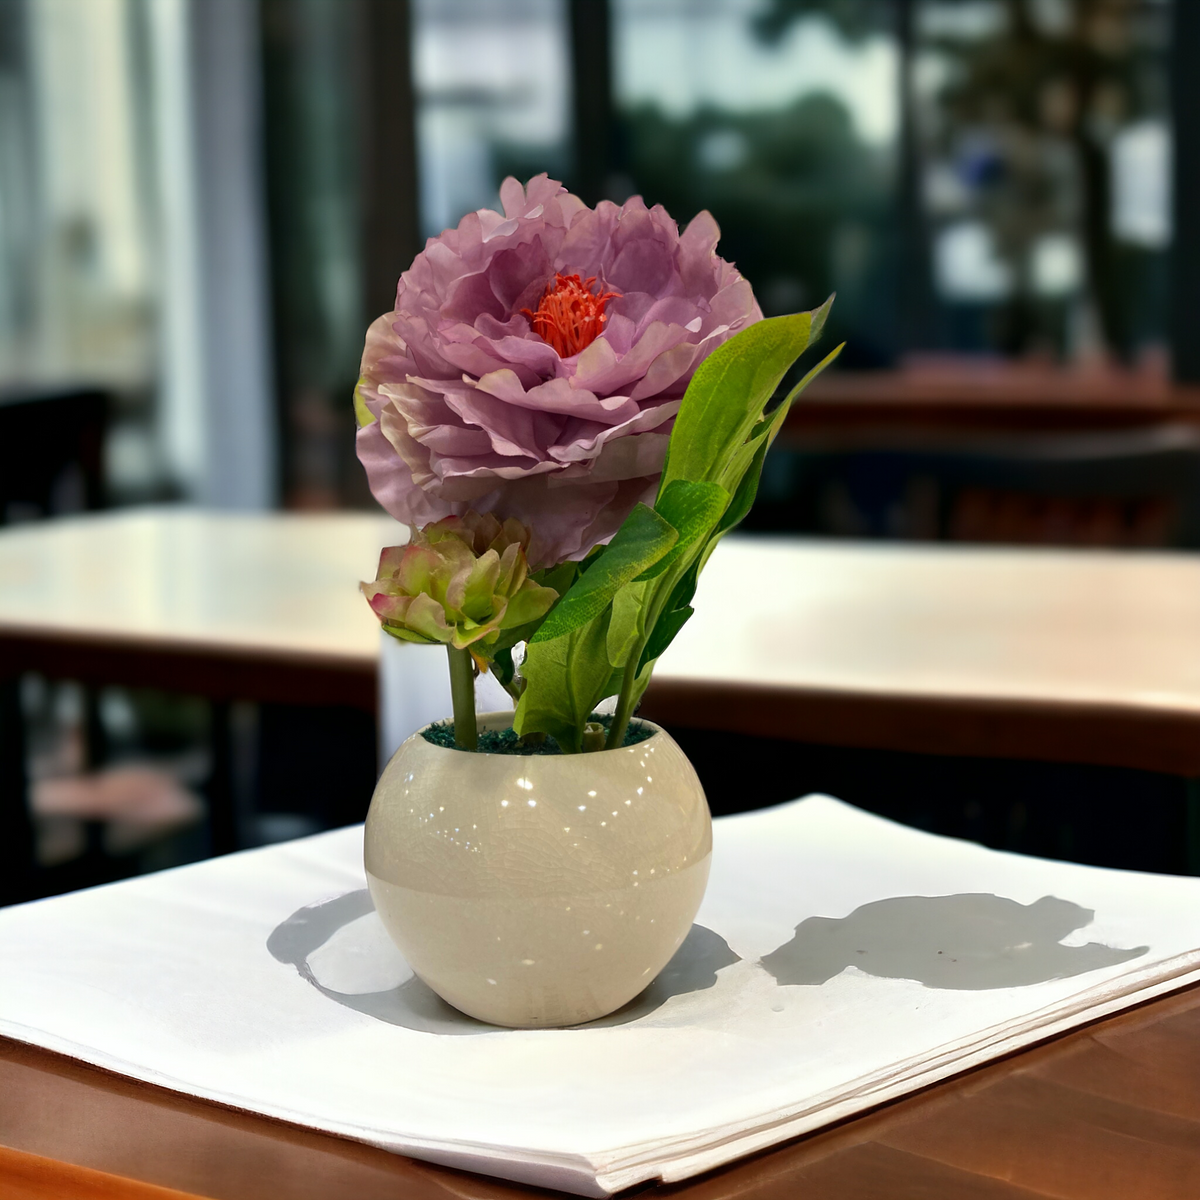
[570, 315]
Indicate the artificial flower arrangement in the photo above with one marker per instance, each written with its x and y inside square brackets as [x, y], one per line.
[569, 407]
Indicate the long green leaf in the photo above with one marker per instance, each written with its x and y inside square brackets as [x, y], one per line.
[640, 542]
[761, 441]
[665, 629]
[693, 509]
[566, 678]
[630, 607]
[729, 391]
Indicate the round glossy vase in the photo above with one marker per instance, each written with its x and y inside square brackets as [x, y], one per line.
[542, 890]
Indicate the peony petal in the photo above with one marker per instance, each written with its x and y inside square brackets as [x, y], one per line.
[389, 562]
[697, 250]
[657, 340]
[512, 570]
[391, 481]
[643, 265]
[589, 239]
[619, 332]
[513, 272]
[667, 371]
[636, 457]
[385, 606]
[512, 197]
[419, 566]
[510, 429]
[557, 396]
[669, 310]
[586, 443]
[528, 603]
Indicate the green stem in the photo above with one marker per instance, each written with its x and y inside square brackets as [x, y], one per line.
[616, 731]
[462, 692]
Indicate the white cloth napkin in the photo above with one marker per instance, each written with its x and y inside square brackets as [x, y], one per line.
[838, 961]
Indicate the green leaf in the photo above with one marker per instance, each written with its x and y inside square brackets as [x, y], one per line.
[743, 498]
[762, 440]
[503, 667]
[362, 414]
[675, 612]
[775, 421]
[627, 626]
[566, 678]
[559, 578]
[665, 629]
[640, 542]
[729, 391]
[693, 509]
[508, 638]
[407, 635]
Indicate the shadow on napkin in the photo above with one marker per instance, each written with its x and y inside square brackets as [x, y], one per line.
[969, 942]
[413, 1005]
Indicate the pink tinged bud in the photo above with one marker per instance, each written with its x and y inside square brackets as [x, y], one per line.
[461, 581]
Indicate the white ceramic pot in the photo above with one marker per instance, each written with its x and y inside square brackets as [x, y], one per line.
[535, 891]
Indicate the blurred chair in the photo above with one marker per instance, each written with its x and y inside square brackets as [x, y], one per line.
[1132, 489]
[51, 452]
[51, 463]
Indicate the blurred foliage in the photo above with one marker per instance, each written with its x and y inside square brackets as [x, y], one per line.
[805, 207]
[855, 18]
[1027, 117]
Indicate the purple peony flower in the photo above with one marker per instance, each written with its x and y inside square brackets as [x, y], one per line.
[535, 360]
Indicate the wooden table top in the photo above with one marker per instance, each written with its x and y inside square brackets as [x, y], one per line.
[261, 606]
[272, 582]
[1077, 655]
[1108, 1112]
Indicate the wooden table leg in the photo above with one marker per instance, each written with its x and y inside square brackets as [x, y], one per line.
[17, 866]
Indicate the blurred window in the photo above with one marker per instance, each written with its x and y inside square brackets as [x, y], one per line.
[492, 81]
[782, 118]
[315, 149]
[76, 279]
[1044, 147]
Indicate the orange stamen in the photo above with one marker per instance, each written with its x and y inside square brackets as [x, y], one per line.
[570, 316]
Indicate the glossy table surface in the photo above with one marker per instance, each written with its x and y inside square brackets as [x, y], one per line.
[1108, 1112]
[230, 605]
[277, 582]
[1087, 656]
[1076, 655]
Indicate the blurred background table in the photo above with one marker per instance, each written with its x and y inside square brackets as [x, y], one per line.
[1074, 657]
[1069, 655]
[1044, 701]
[1107, 1112]
[228, 607]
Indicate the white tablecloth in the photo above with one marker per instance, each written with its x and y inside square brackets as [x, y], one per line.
[838, 961]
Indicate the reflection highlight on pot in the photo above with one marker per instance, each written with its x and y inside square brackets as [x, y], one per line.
[341, 949]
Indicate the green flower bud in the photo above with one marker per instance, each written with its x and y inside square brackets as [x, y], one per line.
[462, 581]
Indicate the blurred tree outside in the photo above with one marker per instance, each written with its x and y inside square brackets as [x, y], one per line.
[1045, 145]
[805, 201]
